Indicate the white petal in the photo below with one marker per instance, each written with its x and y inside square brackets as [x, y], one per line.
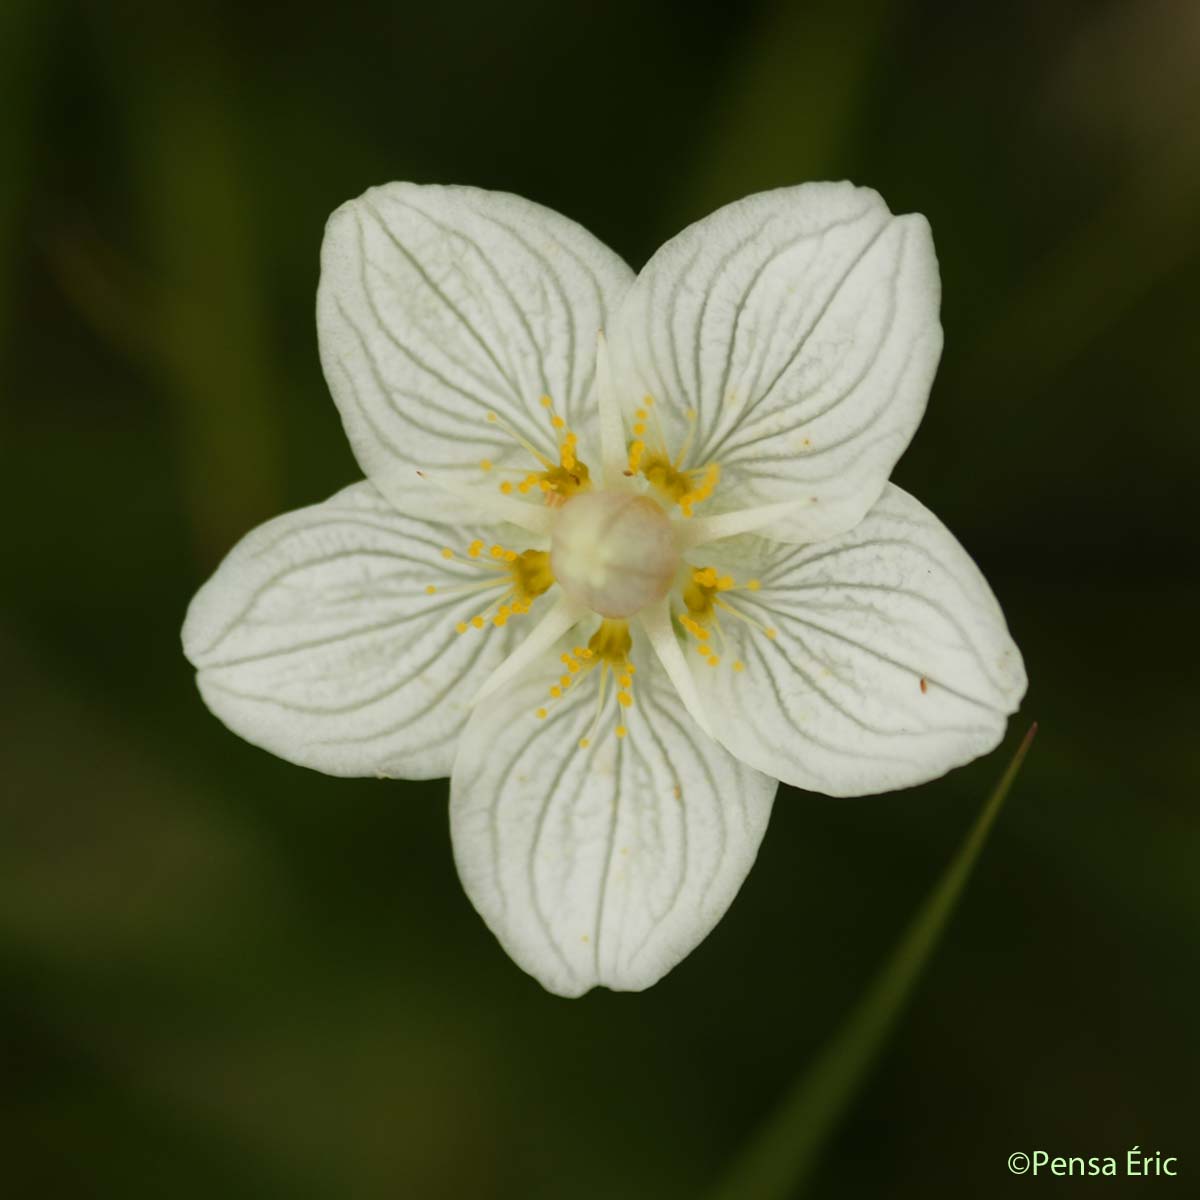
[891, 664]
[612, 432]
[440, 305]
[603, 866]
[316, 638]
[801, 326]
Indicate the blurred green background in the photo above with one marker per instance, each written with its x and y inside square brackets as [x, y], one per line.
[221, 974]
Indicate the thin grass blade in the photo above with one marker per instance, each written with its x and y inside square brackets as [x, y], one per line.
[781, 1157]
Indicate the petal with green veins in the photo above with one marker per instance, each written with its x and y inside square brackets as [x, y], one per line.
[445, 315]
[872, 661]
[790, 339]
[319, 637]
[601, 865]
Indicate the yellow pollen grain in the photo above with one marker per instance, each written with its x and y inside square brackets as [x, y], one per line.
[475, 548]
[625, 681]
[714, 661]
[461, 627]
[447, 552]
[485, 464]
[540, 714]
[753, 585]
[771, 633]
[497, 552]
[431, 590]
[564, 681]
[546, 402]
[624, 699]
[557, 422]
[506, 488]
[621, 731]
[584, 743]
[639, 429]
[739, 665]
[492, 417]
[477, 622]
[555, 692]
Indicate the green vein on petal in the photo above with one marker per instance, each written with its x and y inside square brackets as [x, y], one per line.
[782, 1155]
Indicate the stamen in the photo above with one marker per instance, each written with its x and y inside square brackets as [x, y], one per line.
[687, 441]
[704, 602]
[557, 481]
[771, 632]
[519, 439]
[608, 649]
[586, 740]
[519, 578]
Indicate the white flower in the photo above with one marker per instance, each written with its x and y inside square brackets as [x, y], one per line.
[616, 591]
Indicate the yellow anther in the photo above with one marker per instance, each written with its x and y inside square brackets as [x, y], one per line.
[771, 633]
[431, 590]
[518, 578]
[546, 402]
[485, 464]
[621, 731]
[506, 488]
[739, 665]
[540, 714]
[639, 429]
[640, 415]
[557, 422]
[712, 662]
[492, 417]
[607, 651]
[447, 552]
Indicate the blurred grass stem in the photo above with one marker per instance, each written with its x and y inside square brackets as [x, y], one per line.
[783, 1154]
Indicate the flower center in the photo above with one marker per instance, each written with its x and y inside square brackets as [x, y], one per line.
[614, 552]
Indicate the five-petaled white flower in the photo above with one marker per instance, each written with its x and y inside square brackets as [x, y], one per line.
[616, 586]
